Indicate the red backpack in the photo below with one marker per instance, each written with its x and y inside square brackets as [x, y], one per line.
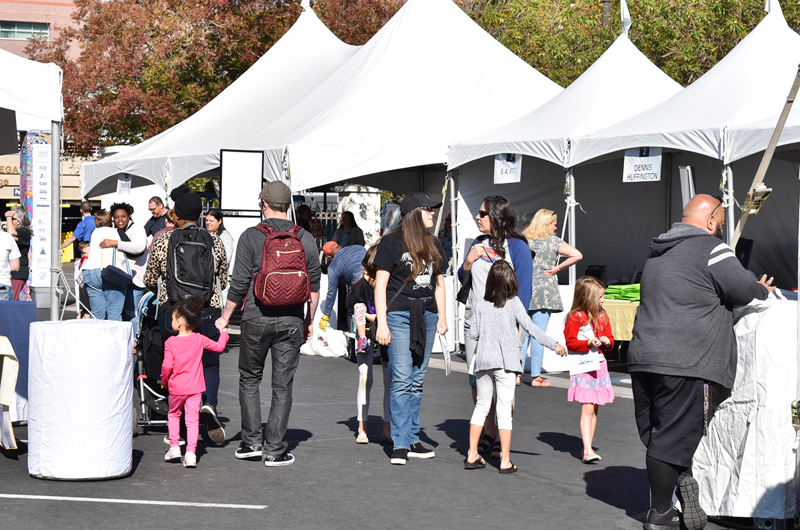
[283, 279]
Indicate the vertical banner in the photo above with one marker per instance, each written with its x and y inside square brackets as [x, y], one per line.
[642, 164]
[42, 210]
[507, 168]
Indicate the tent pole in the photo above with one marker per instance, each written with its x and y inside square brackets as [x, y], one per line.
[571, 176]
[729, 203]
[456, 246]
[55, 216]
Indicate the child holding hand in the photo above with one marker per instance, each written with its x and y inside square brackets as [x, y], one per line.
[182, 373]
[588, 329]
[497, 362]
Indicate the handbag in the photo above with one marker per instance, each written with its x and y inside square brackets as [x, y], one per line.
[582, 363]
[466, 287]
[114, 274]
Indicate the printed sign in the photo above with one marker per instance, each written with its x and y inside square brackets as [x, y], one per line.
[642, 164]
[507, 168]
[124, 185]
[41, 216]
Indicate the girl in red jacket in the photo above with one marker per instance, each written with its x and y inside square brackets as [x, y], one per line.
[182, 372]
[588, 329]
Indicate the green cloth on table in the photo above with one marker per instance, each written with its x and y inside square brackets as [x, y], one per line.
[623, 292]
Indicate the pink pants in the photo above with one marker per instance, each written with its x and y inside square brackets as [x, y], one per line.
[192, 404]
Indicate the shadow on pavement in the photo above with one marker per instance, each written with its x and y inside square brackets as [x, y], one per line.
[630, 490]
[564, 443]
[295, 437]
[458, 431]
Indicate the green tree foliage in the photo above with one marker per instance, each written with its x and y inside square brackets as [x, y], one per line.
[145, 65]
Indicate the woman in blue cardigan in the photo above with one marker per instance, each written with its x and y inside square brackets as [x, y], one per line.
[500, 239]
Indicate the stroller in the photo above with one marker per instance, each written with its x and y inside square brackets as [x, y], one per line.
[153, 404]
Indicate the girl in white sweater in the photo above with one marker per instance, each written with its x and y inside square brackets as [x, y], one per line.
[496, 362]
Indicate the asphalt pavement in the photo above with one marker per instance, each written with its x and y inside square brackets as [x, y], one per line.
[338, 484]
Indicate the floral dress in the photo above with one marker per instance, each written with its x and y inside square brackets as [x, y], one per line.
[592, 387]
[545, 288]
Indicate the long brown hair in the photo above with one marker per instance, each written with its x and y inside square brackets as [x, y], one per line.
[588, 291]
[504, 222]
[501, 283]
[419, 243]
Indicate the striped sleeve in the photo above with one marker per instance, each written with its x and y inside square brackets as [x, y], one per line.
[719, 253]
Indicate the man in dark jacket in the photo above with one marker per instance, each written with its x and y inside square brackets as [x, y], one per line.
[683, 352]
[275, 331]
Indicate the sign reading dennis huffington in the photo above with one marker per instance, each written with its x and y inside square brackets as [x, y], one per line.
[642, 164]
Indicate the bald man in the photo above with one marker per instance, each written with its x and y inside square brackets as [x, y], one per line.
[683, 352]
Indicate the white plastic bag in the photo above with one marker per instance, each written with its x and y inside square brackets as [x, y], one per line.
[328, 343]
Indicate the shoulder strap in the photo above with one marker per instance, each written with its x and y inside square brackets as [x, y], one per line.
[295, 229]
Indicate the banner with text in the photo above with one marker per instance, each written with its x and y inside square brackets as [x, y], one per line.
[642, 164]
[41, 216]
[507, 168]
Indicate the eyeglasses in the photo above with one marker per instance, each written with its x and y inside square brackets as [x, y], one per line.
[427, 209]
[482, 213]
[153, 209]
[718, 205]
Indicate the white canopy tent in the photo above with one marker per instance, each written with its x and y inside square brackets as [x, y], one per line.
[429, 77]
[33, 93]
[606, 92]
[306, 55]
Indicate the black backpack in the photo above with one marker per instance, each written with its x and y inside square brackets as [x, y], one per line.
[191, 266]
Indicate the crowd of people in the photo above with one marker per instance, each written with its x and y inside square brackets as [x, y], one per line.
[682, 357]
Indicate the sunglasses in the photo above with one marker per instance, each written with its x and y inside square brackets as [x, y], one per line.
[482, 213]
[427, 209]
[718, 205]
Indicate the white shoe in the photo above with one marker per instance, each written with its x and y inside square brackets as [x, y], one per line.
[181, 442]
[190, 460]
[362, 438]
[173, 455]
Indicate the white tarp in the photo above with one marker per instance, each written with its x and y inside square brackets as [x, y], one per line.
[295, 65]
[430, 77]
[80, 399]
[749, 84]
[620, 84]
[746, 465]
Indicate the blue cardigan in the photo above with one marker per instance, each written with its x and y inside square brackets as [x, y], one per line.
[523, 266]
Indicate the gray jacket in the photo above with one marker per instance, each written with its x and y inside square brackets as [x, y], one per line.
[248, 263]
[496, 327]
[684, 326]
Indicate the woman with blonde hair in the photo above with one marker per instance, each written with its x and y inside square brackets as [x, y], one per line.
[547, 247]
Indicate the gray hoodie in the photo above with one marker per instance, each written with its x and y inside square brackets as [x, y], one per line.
[684, 326]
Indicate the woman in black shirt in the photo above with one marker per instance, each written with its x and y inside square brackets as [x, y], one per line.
[19, 226]
[410, 306]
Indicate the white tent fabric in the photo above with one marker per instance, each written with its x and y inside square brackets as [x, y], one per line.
[745, 140]
[749, 84]
[430, 77]
[618, 85]
[31, 88]
[306, 55]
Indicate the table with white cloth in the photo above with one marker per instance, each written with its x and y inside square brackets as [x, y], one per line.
[80, 390]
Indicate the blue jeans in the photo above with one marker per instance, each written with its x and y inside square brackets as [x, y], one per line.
[408, 374]
[540, 318]
[6, 293]
[105, 298]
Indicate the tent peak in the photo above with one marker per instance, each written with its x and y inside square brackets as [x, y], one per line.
[772, 6]
[626, 17]
[306, 4]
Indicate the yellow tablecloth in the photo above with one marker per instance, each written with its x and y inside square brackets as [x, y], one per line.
[621, 313]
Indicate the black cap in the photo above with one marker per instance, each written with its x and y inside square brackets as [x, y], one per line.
[415, 200]
[188, 205]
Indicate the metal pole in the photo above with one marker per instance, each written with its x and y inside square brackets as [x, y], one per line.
[573, 273]
[456, 248]
[729, 203]
[55, 216]
[767, 158]
[606, 20]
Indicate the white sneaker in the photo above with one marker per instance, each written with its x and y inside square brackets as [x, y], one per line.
[190, 460]
[181, 442]
[173, 455]
[362, 438]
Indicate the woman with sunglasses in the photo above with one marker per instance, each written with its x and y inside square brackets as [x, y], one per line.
[500, 239]
[410, 308]
[19, 226]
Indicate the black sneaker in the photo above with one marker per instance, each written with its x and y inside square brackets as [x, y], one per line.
[248, 451]
[285, 459]
[215, 431]
[692, 514]
[399, 457]
[662, 521]
[420, 451]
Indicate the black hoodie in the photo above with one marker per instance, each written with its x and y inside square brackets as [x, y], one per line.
[684, 326]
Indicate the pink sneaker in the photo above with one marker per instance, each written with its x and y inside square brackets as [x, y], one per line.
[190, 460]
[173, 455]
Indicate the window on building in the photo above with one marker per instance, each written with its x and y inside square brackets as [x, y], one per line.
[23, 30]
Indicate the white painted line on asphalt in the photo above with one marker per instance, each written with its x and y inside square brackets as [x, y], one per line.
[558, 382]
[134, 501]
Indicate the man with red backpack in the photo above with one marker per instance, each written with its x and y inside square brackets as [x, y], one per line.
[277, 275]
